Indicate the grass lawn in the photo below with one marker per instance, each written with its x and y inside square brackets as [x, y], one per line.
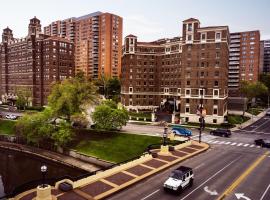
[255, 111]
[237, 119]
[115, 147]
[6, 127]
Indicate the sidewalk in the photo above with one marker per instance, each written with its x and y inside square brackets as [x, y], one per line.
[252, 119]
[108, 182]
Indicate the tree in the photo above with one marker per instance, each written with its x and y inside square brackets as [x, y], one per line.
[265, 79]
[23, 97]
[40, 127]
[107, 116]
[251, 90]
[79, 120]
[114, 88]
[71, 95]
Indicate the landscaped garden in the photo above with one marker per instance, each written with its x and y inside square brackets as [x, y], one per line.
[113, 146]
[7, 127]
[237, 119]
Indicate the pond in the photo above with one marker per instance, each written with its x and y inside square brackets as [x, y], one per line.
[17, 168]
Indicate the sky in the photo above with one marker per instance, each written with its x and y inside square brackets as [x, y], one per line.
[148, 19]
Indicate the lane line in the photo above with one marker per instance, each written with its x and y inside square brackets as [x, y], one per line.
[222, 142]
[211, 177]
[199, 166]
[265, 192]
[234, 143]
[150, 194]
[228, 143]
[239, 180]
[240, 144]
[252, 145]
[246, 145]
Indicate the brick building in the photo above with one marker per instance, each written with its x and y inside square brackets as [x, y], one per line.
[265, 57]
[33, 63]
[187, 71]
[244, 59]
[98, 42]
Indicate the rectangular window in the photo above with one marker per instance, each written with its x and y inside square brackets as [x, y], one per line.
[130, 89]
[187, 109]
[218, 36]
[189, 27]
[215, 111]
[203, 37]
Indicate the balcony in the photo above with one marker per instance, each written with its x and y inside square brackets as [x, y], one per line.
[235, 41]
[234, 58]
[234, 63]
[234, 49]
[233, 76]
[235, 36]
[234, 45]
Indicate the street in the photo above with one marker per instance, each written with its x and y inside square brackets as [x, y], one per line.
[232, 166]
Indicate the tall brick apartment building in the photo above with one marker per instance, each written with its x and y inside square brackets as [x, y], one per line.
[98, 42]
[187, 70]
[33, 63]
[244, 60]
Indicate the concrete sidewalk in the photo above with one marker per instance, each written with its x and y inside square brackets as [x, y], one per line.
[110, 181]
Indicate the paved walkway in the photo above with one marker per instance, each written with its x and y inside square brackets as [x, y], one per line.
[115, 180]
[51, 156]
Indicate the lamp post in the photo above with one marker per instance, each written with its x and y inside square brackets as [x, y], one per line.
[43, 170]
[165, 134]
[202, 114]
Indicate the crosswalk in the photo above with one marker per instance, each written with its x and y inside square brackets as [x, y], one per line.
[237, 144]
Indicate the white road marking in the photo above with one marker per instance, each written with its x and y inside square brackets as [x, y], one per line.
[252, 145]
[261, 125]
[211, 177]
[215, 142]
[265, 192]
[199, 166]
[222, 142]
[234, 143]
[228, 143]
[211, 141]
[150, 194]
[246, 145]
[240, 144]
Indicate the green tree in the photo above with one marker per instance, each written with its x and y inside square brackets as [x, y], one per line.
[63, 134]
[265, 79]
[23, 98]
[107, 116]
[251, 90]
[79, 120]
[114, 88]
[71, 95]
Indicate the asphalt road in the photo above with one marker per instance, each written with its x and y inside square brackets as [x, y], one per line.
[262, 126]
[216, 169]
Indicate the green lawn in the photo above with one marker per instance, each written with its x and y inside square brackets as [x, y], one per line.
[237, 119]
[6, 127]
[115, 147]
[255, 111]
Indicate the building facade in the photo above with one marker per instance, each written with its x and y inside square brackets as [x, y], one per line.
[191, 71]
[98, 42]
[244, 61]
[265, 57]
[33, 63]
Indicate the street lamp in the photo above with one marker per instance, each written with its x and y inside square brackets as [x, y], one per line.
[165, 134]
[43, 170]
[202, 114]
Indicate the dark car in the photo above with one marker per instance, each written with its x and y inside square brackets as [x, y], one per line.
[268, 113]
[221, 132]
[262, 142]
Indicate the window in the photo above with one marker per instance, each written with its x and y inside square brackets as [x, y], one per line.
[216, 83]
[215, 111]
[214, 121]
[218, 36]
[130, 89]
[188, 82]
[202, 46]
[201, 92]
[166, 90]
[189, 27]
[217, 64]
[217, 54]
[203, 37]
[189, 37]
[216, 92]
[187, 100]
[216, 73]
[179, 90]
[187, 109]
[187, 92]
[217, 45]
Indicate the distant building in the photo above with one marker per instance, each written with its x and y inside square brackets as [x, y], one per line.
[265, 57]
[33, 63]
[244, 59]
[98, 42]
[184, 71]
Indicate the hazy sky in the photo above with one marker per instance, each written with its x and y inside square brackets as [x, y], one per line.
[148, 19]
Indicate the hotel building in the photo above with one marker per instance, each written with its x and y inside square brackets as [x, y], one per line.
[191, 71]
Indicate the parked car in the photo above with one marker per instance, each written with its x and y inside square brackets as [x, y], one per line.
[267, 113]
[181, 131]
[262, 142]
[10, 116]
[221, 132]
[179, 179]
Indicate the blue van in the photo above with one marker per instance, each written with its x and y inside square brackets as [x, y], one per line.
[181, 131]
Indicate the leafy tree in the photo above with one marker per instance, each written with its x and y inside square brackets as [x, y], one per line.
[71, 95]
[107, 116]
[113, 88]
[79, 120]
[251, 90]
[265, 79]
[63, 135]
[23, 97]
